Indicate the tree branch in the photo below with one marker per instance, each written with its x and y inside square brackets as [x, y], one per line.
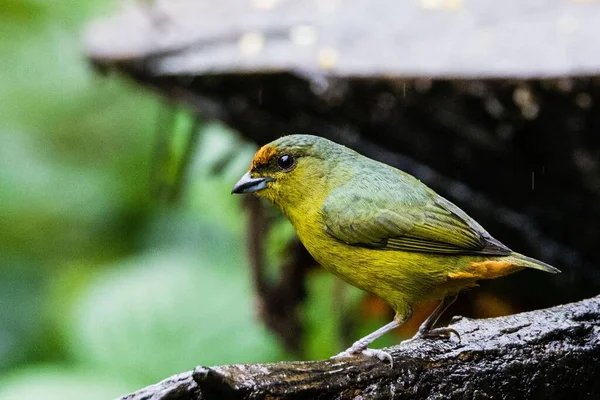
[552, 353]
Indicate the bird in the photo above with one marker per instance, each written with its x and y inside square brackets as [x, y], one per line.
[379, 229]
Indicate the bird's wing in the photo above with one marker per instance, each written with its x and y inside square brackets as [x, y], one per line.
[427, 223]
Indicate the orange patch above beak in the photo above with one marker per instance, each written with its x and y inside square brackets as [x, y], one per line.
[262, 156]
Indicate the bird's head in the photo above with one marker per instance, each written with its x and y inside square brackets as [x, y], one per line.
[292, 169]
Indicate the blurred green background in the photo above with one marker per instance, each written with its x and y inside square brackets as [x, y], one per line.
[104, 288]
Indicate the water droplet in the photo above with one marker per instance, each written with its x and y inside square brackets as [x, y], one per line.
[251, 43]
[303, 35]
[328, 58]
[449, 5]
[264, 4]
[583, 100]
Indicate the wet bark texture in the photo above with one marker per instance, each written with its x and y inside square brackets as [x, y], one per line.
[545, 354]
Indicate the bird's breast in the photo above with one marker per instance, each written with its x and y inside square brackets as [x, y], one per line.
[378, 272]
[395, 276]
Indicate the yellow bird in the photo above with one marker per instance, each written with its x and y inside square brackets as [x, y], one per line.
[378, 228]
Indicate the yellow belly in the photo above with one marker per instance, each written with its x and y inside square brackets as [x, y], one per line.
[400, 278]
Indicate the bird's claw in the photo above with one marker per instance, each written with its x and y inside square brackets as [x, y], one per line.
[374, 353]
[380, 354]
[438, 333]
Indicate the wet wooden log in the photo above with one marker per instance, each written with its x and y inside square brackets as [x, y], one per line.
[552, 353]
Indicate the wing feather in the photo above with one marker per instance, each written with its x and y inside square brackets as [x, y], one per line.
[424, 223]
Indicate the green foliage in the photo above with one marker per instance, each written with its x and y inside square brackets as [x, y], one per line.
[52, 383]
[101, 286]
[329, 301]
[164, 313]
[321, 318]
[66, 185]
[19, 315]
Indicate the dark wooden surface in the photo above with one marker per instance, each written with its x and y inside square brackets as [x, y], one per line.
[421, 38]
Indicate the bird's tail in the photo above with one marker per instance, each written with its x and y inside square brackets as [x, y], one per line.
[528, 262]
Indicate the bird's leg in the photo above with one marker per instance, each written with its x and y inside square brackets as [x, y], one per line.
[426, 329]
[360, 346]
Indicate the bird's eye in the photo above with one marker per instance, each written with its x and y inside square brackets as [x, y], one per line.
[286, 162]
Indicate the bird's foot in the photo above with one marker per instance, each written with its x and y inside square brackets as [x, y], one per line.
[375, 353]
[438, 333]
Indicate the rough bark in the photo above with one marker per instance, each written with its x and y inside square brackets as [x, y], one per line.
[552, 353]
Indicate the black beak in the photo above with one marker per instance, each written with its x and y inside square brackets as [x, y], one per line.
[248, 184]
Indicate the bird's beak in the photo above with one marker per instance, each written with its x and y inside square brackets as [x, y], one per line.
[248, 184]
